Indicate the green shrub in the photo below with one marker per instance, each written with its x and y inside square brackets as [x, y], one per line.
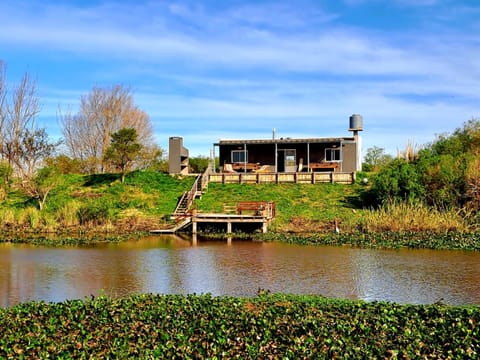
[93, 213]
[397, 181]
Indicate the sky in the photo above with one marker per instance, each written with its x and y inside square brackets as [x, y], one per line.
[207, 70]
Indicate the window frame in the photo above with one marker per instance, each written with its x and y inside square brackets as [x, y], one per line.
[330, 151]
[241, 154]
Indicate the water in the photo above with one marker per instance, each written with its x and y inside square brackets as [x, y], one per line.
[169, 264]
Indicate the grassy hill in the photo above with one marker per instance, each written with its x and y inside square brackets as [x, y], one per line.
[147, 199]
[97, 201]
[305, 206]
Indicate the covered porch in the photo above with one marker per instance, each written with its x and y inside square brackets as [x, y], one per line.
[286, 155]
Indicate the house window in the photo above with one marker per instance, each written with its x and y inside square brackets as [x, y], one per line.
[239, 156]
[333, 155]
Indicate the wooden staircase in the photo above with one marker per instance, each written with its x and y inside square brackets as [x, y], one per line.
[187, 198]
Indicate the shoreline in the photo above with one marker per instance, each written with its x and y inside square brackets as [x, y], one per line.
[450, 240]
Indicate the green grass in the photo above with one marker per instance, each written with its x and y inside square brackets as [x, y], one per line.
[313, 205]
[147, 199]
[101, 201]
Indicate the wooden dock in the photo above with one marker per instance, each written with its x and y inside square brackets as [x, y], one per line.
[228, 219]
[246, 212]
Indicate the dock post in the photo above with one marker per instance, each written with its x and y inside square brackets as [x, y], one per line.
[194, 225]
[229, 227]
[264, 227]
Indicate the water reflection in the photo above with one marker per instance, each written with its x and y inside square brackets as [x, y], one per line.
[170, 264]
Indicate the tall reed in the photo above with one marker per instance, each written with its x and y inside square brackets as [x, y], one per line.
[412, 216]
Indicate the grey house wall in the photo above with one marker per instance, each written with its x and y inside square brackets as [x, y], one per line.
[177, 156]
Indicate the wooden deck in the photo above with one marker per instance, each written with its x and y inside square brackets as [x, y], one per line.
[246, 212]
[281, 178]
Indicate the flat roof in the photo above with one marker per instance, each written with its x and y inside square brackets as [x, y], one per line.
[284, 141]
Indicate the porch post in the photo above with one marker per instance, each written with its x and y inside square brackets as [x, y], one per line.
[341, 155]
[245, 158]
[214, 170]
[308, 156]
[276, 157]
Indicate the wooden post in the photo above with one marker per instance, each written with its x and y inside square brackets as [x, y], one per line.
[229, 227]
[194, 225]
[264, 227]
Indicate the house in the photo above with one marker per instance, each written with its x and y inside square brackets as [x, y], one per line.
[288, 155]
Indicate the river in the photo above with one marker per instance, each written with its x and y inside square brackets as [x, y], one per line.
[170, 264]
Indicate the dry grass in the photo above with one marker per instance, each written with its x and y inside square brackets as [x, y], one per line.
[397, 216]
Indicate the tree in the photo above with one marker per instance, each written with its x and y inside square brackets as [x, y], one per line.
[3, 107]
[150, 157]
[397, 181]
[39, 186]
[5, 178]
[103, 112]
[33, 149]
[449, 168]
[198, 164]
[65, 164]
[17, 116]
[375, 158]
[123, 150]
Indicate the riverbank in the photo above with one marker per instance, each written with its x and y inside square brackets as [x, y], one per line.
[86, 209]
[266, 326]
[466, 241]
[383, 240]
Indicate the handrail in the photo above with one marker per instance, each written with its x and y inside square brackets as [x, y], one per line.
[205, 177]
[189, 196]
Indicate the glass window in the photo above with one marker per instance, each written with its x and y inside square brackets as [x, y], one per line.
[239, 156]
[333, 155]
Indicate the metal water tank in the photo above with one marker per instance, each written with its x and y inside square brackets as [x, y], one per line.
[356, 123]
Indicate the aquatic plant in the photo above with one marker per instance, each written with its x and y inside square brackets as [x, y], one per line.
[382, 240]
[266, 326]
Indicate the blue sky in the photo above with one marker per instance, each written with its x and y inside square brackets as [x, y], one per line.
[210, 70]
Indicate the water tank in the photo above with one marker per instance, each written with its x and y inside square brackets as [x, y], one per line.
[356, 123]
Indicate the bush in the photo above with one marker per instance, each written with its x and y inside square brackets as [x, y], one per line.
[94, 213]
[397, 181]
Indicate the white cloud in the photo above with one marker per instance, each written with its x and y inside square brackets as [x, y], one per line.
[245, 69]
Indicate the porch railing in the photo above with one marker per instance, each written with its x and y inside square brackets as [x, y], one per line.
[281, 178]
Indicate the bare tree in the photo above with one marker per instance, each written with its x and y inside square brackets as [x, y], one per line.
[33, 149]
[18, 111]
[103, 112]
[3, 104]
[21, 114]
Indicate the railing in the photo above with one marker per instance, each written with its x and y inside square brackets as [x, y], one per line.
[198, 187]
[205, 178]
[280, 178]
[264, 209]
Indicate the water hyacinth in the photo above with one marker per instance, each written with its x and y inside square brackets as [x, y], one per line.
[267, 326]
[383, 240]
